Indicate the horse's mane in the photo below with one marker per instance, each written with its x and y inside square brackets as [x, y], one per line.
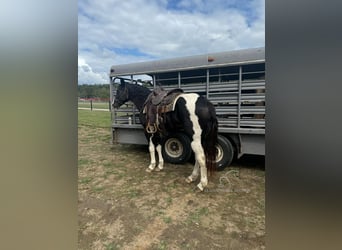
[140, 89]
[139, 93]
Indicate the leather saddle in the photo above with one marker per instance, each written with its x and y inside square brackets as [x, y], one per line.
[160, 101]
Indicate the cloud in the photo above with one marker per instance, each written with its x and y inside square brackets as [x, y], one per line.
[86, 75]
[118, 32]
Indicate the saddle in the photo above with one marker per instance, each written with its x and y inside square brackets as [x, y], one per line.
[159, 102]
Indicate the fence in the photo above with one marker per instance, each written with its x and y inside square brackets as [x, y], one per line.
[96, 105]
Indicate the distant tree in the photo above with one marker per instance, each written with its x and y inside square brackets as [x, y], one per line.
[93, 91]
[102, 92]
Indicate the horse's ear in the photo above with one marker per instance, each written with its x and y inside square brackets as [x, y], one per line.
[122, 82]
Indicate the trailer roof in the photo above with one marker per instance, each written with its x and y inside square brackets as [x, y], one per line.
[209, 60]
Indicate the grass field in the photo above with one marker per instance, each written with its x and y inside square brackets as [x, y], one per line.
[94, 118]
[121, 206]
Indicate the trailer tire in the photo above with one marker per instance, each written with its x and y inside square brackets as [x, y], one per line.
[225, 153]
[176, 148]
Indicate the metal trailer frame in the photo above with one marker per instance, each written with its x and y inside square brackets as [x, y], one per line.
[234, 81]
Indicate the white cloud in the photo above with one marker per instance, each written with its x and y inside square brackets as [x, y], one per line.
[117, 32]
[86, 75]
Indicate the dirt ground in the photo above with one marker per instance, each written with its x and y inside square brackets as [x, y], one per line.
[121, 206]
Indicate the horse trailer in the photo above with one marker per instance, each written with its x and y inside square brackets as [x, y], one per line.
[234, 81]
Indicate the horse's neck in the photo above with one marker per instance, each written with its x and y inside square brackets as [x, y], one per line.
[138, 96]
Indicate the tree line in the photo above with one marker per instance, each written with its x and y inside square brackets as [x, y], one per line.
[93, 91]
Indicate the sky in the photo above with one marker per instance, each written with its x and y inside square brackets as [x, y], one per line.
[113, 32]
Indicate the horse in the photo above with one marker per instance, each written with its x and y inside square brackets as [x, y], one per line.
[193, 114]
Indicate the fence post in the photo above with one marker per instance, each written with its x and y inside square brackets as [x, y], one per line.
[91, 104]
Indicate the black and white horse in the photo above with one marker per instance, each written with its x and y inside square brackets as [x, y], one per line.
[193, 114]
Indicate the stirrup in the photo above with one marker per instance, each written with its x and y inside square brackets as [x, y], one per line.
[151, 129]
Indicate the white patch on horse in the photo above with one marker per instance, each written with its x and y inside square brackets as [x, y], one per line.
[160, 156]
[196, 144]
[152, 156]
[194, 174]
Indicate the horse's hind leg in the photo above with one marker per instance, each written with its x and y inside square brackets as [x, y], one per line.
[200, 159]
[194, 174]
[204, 178]
[152, 156]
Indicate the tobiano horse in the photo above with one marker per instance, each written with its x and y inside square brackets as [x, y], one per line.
[192, 114]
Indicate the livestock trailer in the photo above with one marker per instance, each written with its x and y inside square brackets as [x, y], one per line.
[234, 81]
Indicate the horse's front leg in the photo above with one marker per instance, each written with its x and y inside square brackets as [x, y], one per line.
[160, 158]
[152, 156]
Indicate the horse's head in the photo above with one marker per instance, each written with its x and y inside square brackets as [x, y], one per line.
[121, 94]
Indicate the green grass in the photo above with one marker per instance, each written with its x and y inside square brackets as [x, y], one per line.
[94, 118]
[195, 216]
[162, 245]
[85, 180]
[98, 189]
[167, 219]
[112, 246]
[133, 193]
[169, 200]
[83, 162]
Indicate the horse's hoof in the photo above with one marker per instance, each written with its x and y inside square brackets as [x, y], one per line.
[200, 187]
[188, 179]
[149, 170]
[158, 169]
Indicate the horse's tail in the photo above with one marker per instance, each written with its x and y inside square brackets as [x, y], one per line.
[209, 143]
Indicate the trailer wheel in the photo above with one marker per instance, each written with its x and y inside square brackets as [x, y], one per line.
[176, 148]
[225, 153]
